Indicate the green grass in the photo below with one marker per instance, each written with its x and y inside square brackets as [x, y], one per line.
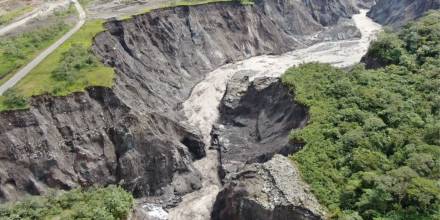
[40, 80]
[11, 15]
[110, 203]
[15, 51]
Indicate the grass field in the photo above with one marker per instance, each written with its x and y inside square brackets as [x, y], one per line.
[20, 48]
[15, 51]
[40, 80]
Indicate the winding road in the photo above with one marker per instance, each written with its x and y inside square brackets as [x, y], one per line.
[31, 65]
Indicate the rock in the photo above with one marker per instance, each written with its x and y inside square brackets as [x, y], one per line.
[270, 191]
[255, 121]
[88, 139]
[396, 13]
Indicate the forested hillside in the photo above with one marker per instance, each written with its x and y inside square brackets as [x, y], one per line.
[372, 146]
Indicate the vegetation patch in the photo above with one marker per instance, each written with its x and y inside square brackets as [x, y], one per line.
[373, 141]
[15, 51]
[110, 203]
[70, 68]
[43, 79]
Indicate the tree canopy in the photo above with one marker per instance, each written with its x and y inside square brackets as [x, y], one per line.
[372, 145]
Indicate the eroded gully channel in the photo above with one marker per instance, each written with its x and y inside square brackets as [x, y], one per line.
[201, 108]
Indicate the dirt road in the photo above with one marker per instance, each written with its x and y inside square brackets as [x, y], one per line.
[30, 66]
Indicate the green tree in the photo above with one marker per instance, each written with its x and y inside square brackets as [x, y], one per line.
[372, 146]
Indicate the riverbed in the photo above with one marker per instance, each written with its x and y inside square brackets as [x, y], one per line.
[201, 108]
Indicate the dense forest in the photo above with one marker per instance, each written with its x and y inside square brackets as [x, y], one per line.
[372, 145]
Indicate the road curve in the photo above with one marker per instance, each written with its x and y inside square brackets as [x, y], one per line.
[31, 65]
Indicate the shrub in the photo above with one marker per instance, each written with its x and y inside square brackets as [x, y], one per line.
[13, 99]
[97, 203]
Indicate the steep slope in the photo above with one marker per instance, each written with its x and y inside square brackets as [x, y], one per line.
[93, 139]
[399, 12]
[135, 134]
[255, 121]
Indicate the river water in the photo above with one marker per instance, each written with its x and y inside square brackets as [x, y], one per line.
[201, 108]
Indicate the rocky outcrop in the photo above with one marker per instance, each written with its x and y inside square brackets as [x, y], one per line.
[134, 134]
[269, 191]
[255, 122]
[396, 13]
[251, 134]
[90, 139]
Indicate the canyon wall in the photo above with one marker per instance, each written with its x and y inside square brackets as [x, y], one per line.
[396, 13]
[255, 121]
[134, 134]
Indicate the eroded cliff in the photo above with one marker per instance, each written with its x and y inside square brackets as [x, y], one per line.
[399, 12]
[90, 139]
[255, 121]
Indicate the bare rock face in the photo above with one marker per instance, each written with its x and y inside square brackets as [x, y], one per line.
[255, 122]
[90, 139]
[269, 191]
[251, 134]
[399, 12]
[134, 134]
